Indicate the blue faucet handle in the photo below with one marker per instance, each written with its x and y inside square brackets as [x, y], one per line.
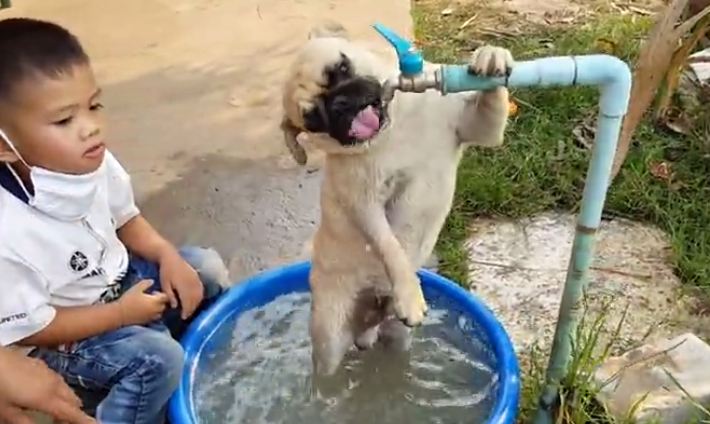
[411, 61]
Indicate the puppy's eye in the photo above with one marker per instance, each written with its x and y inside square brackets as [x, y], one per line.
[344, 65]
[339, 71]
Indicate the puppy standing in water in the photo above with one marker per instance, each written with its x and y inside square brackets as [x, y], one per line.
[389, 179]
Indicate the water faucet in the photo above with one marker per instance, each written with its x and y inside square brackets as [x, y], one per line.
[412, 77]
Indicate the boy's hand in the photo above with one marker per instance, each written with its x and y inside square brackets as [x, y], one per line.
[138, 307]
[179, 280]
[28, 383]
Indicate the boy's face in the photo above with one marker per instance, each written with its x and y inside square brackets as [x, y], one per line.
[55, 123]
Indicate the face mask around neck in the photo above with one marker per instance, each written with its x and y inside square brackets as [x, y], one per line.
[62, 196]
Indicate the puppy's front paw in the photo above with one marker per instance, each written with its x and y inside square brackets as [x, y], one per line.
[409, 304]
[491, 61]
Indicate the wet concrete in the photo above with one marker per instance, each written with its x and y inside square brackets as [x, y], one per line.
[255, 213]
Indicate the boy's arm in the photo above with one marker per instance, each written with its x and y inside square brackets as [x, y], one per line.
[26, 316]
[135, 307]
[73, 324]
[142, 239]
[178, 280]
[133, 229]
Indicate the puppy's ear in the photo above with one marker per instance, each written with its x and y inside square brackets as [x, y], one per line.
[329, 29]
[290, 138]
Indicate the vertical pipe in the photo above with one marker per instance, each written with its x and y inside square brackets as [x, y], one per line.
[588, 222]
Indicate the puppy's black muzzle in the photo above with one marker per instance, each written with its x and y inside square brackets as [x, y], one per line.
[337, 108]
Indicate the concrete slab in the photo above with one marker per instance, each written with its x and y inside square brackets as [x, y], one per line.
[192, 95]
[518, 268]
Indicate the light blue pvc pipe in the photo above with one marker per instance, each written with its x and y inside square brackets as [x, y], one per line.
[614, 80]
[613, 77]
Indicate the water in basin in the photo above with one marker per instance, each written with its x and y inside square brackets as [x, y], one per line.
[256, 369]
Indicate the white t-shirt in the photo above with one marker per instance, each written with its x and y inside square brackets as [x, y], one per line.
[45, 262]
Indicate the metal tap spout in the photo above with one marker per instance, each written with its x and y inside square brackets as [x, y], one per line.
[418, 83]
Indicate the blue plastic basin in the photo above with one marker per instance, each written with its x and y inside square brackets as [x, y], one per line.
[265, 287]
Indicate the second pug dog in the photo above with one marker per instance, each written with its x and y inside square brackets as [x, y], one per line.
[389, 179]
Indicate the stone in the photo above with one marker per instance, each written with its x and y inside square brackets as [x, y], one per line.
[641, 380]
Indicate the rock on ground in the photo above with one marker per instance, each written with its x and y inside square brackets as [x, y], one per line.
[658, 381]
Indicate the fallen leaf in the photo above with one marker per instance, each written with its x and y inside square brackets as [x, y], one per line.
[640, 11]
[661, 170]
[585, 131]
[677, 121]
[497, 33]
[512, 108]
[468, 21]
[618, 8]
[605, 45]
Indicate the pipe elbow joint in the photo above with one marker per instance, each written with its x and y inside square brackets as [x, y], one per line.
[612, 75]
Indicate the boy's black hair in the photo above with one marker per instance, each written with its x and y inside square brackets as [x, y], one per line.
[30, 48]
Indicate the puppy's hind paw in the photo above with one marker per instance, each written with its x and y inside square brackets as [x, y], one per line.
[410, 306]
[367, 339]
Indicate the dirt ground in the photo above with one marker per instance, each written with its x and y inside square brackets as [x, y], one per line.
[192, 94]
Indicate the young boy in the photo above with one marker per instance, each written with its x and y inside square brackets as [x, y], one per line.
[87, 284]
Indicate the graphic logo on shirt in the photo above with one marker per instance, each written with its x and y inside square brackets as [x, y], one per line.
[94, 273]
[78, 262]
[112, 293]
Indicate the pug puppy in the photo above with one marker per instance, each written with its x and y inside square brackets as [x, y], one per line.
[389, 179]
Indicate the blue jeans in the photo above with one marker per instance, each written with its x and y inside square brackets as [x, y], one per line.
[132, 372]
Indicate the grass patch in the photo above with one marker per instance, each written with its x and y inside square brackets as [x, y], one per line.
[578, 403]
[597, 338]
[542, 168]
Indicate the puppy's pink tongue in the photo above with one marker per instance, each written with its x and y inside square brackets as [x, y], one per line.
[366, 124]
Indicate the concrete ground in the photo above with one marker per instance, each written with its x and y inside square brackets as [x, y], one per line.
[192, 95]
